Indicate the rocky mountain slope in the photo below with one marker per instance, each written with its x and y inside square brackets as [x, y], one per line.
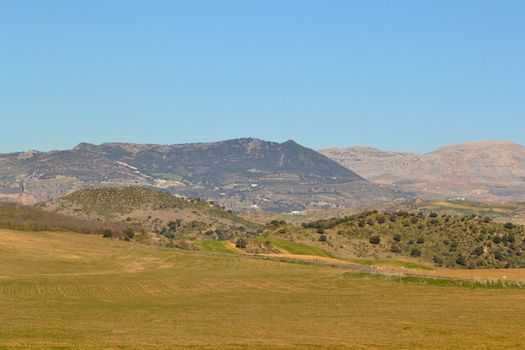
[240, 174]
[490, 170]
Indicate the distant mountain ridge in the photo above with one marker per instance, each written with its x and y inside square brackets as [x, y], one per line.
[240, 173]
[486, 170]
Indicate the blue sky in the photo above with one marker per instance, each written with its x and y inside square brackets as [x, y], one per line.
[399, 75]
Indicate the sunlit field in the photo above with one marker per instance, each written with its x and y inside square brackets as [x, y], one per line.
[78, 291]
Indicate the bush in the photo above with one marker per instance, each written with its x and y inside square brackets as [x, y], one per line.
[374, 239]
[396, 237]
[509, 225]
[395, 249]
[128, 234]
[461, 260]
[415, 252]
[241, 243]
[107, 233]
[477, 251]
[320, 230]
[497, 239]
[420, 240]
[323, 238]
[437, 260]
[380, 220]
[499, 256]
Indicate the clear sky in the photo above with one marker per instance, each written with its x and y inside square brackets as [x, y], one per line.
[400, 75]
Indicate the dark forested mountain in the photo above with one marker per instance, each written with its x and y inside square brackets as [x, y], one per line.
[240, 173]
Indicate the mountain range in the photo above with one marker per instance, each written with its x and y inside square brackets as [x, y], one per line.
[483, 171]
[240, 174]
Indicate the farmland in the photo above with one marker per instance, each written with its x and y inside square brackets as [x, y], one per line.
[71, 290]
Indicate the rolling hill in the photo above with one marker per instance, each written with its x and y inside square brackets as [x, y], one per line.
[482, 171]
[241, 174]
[159, 216]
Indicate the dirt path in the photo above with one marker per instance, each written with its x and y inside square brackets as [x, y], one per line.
[308, 258]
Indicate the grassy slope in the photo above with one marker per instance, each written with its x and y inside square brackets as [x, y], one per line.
[225, 247]
[294, 247]
[78, 291]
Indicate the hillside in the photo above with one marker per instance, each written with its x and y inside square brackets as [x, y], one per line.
[162, 216]
[240, 174]
[449, 236]
[455, 241]
[490, 170]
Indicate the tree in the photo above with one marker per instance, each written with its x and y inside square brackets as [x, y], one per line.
[241, 243]
[128, 234]
[437, 260]
[477, 251]
[374, 239]
[461, 260]
[415, 252]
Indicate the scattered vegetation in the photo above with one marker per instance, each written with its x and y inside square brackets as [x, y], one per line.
[446, 240]
[30, 218]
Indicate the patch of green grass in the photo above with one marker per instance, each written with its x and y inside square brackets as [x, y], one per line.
[295, 247]
[441, 282]
[216, 246]
[168, 176]
[392, 262]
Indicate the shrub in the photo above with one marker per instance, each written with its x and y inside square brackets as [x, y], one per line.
[498, 255]
[107, 233]
[320, 230]
[396, 237]
[420, 240]
[128, 234]
[323, 238]
[497, 239]
[477, 251]
[380, 220]
[374, 239]
[241, 243]
[415, 252]
[437, 260]
[395, 249]
[509, 225]
[461, 260]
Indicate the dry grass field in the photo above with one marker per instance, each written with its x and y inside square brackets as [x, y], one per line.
[73, 291]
